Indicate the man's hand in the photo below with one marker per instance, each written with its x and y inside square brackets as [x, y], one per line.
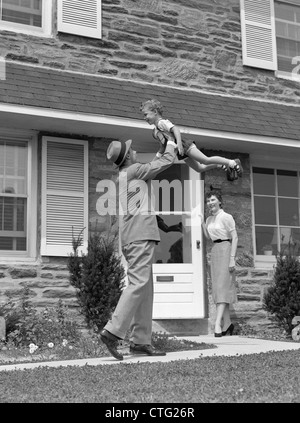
[180, 149]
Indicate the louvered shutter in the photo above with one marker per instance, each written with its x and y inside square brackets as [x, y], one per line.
[64, 195]
[258, 34]
[80, 17]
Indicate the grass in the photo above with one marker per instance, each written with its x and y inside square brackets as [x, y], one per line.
[271, 377]
[258, 378]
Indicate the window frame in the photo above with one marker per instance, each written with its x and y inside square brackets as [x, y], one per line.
[44, 31]
[264, 261]
[279, 73]
[259, 39]
[31, 250]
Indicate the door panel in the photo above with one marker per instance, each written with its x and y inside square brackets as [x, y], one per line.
[178, 267]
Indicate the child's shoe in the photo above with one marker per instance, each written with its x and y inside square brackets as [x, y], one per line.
[234, 172]
[238, 167]
[231, 174]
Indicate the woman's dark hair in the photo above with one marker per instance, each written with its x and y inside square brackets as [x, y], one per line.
[214, 193]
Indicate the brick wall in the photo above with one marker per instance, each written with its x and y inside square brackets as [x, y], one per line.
[187, 43]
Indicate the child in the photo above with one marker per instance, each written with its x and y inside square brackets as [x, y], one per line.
[165, 130]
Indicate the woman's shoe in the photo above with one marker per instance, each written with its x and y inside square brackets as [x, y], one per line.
[218, 335]
[229, 329]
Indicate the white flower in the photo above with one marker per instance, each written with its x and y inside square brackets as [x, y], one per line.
[70, 347]
[32, 348]
[64, 342]
[50, 345]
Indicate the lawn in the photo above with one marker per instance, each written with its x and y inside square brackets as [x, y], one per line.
[272, 377]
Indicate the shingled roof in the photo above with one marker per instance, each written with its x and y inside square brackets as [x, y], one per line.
[92, 94]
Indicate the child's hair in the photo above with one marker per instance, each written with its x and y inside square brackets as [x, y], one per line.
[152, 105]
[215, 193]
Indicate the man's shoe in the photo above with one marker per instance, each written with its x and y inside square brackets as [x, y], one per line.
[111, 341]
[144, 349]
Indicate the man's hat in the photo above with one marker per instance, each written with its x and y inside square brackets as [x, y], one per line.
[117, 151]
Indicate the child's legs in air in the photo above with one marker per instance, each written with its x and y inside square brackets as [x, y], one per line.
[197, 155]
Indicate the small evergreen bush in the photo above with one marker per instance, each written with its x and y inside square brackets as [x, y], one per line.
[97, 277]
[282, 299]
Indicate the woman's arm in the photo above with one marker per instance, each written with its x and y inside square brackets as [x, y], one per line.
[234, 242]
[204, 228]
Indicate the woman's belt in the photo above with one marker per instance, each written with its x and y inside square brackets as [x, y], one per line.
[221, 240]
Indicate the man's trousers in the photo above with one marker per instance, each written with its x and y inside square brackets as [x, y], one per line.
[134, 309]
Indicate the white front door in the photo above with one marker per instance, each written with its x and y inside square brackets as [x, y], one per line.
[178, 268]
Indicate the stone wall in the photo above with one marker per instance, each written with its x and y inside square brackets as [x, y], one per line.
[185, 43]
[251, 285]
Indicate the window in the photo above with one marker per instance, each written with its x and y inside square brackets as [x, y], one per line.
[287, 19]
[27, 16]
[271, 35]
[17, 197]
[13, 197]
[276, 210]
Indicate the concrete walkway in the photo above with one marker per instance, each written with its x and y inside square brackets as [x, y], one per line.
[225, 346]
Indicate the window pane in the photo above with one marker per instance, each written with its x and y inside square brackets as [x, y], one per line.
[287, 34]
[13, 195]
[171, 189]
[25, 12]
[265, 211]
[287, 183]
[263, 181]
[265, 237]
[13, 167]
[287, 210]
[284, 11]
[175, 245]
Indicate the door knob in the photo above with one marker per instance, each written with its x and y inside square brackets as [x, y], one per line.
[198, 244]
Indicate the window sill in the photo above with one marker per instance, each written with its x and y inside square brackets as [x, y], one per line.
[288, 75]
[265, 262]
[16, 259]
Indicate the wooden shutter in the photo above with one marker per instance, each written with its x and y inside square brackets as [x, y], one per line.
[64, 195]
[80, 17]
[258, 34]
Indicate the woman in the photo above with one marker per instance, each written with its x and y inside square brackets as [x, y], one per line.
[220, 228]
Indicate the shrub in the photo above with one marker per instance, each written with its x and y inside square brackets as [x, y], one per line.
[25, 324]
[11, 314]
[97, 277]
[282, 299]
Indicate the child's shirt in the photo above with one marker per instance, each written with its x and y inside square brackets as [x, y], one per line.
[164, 126]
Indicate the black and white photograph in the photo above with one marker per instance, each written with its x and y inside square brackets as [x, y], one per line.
[149, 204]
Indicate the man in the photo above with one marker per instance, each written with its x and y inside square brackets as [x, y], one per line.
[139, 235]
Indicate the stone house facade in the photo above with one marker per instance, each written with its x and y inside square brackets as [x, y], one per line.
[227, 74]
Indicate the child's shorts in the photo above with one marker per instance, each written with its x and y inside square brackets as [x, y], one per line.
[187, 146]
